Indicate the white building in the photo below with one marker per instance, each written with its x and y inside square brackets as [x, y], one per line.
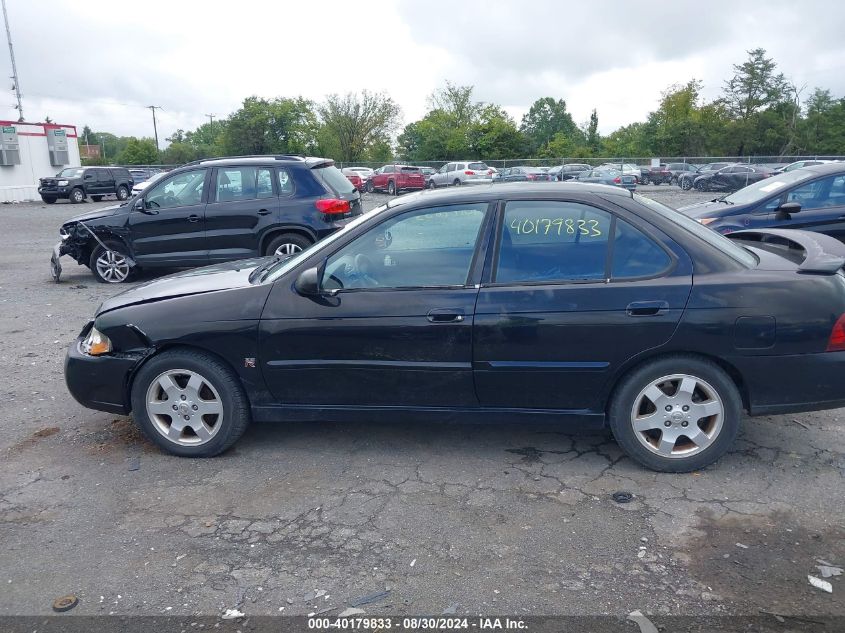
[29, 151]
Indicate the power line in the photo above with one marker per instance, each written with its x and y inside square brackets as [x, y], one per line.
[16, 87]
[155, 129]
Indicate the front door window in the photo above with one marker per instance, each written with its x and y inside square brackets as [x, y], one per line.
[426, 248]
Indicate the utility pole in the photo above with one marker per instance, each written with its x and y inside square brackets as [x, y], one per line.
[102, 146]
[17, 86]
[211, 123]
[155, 129]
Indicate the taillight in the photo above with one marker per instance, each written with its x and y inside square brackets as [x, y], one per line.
[469, 172]
[333, 206]
[836, 342]
[617, 180]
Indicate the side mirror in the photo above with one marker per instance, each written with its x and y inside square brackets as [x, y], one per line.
[785, 211]
[308, 282]
[141, 207]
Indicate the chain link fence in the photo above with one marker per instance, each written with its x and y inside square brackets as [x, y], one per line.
[643, 161]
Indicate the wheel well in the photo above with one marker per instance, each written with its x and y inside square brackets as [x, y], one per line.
[167, 347]
[276, 232]
[729, 369]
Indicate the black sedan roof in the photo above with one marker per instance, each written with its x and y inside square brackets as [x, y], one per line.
[509, 189]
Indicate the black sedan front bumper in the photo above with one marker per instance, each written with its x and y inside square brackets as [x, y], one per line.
[100, 382]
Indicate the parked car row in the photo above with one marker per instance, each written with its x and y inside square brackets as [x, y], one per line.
[78, 183]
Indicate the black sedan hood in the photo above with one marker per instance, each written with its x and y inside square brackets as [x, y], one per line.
[96, 214]
[192, 282]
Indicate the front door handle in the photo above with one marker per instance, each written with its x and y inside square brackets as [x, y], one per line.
[263, 212]
[646, 308]
[445, 315]
[193, 218]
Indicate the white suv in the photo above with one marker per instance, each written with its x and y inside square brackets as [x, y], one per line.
[461, 173]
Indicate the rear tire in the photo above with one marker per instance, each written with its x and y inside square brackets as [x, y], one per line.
[686, 184]
[219, 391]
[77, 196]
[287, 244]
[676, 414]
[122, 193]
[48, 199]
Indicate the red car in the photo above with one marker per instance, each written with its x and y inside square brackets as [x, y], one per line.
[355, 179]
[396, 178]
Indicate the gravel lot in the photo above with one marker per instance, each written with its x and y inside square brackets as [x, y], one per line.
[494, 519]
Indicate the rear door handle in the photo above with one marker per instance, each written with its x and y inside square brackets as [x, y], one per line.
[646, 308]
[445, 315]
[193, 218]
[263, 212]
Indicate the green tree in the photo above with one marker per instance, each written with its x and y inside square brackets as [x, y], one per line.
[546, 119]
[353, 124]
[754, 87]
[139, 152]
[494, 135]
[593, 138]
[262, 126]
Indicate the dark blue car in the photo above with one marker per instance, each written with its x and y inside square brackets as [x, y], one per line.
[559, 302]
[812, 198]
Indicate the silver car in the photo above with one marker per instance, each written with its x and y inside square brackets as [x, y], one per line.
[461, 173]
[364, 172]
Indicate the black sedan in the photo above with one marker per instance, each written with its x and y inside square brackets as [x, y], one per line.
[556, 302]
[686, 178]
[731, 178]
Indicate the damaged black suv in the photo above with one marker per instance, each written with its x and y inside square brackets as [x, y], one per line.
[213, 211]
[77, 183]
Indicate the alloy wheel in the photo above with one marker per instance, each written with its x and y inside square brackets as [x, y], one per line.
[112, 267]
[287, 248]
[184, 407]
[677, 416]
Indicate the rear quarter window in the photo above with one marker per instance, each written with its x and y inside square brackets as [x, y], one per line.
[331, 177]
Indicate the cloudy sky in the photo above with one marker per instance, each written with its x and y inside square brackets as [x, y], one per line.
[100, 62]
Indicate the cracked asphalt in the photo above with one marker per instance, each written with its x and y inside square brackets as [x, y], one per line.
[311, 518]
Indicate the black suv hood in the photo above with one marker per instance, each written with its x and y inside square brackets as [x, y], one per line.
[711, 209]
[97, 214]
[192, 282]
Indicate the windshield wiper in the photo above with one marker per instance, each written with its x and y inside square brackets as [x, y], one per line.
[722, 199]
[264, 268]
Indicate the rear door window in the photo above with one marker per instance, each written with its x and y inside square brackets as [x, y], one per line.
[635, 255]
[243, 183]
[552, 241]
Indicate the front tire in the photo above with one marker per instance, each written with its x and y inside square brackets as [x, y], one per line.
[287, 244]
[190, 403]
[369, 186]
[456, 182]
[431, 185]
[48, 199]
[676, 414]
[391, 189]
[110, 265]
[644, 180]
[77, 196]
[686, 184]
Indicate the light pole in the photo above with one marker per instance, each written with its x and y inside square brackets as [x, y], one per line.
[155, 129]
[17, 87]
